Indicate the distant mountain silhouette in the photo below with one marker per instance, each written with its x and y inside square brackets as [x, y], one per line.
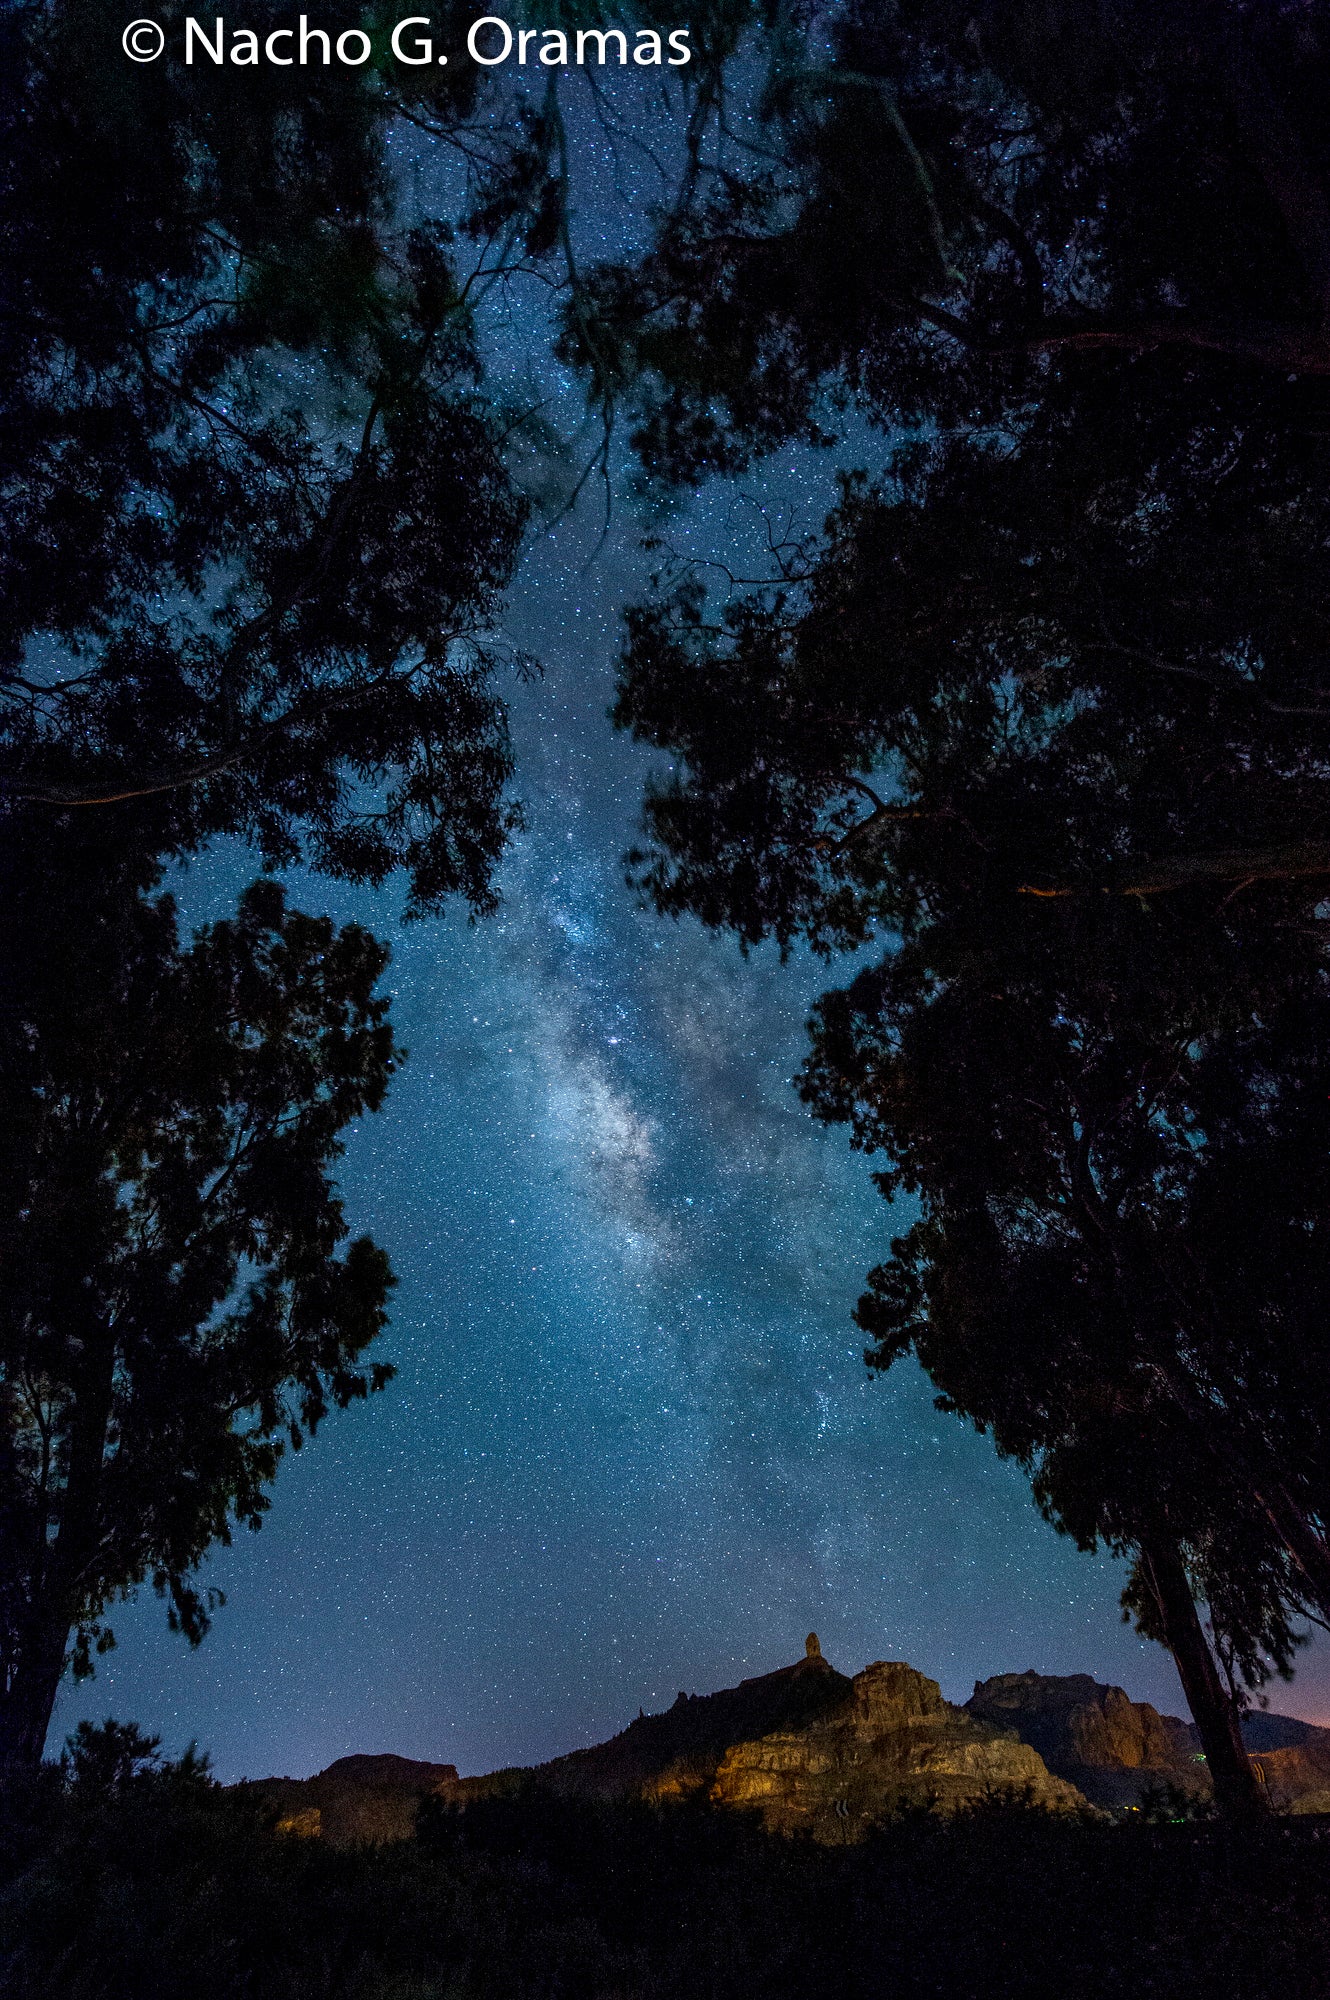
[1263, 1731]
[358, 1798]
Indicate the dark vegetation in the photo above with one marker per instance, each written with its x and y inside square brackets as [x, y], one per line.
[181, 1302]
[254, 527]
[1044, 713]
[255, 519]
[119, 1880]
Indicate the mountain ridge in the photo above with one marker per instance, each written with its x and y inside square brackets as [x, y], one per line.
[812, 1750]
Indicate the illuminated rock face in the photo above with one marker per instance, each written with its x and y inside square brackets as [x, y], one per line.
[809, 1749]
[894, 1743]
[1081, 1718]
[1096, 1737]
[813, 1751]
[1114, 1749]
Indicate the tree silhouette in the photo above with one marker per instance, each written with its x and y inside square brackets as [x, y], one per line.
[1048, 703]
[951, 203]
[254, 524]
[180, 1301]
[255, 518]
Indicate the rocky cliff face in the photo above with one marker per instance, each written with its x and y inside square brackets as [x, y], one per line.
[1113, 1749]
[808, 1748]
[1293, 1757]
[816, 1751]
[1097, 1738]
[892, 1742]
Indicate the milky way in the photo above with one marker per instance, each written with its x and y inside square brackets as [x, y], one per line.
[631, 1446]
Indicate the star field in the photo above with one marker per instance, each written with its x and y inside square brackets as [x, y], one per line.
[632, 1446]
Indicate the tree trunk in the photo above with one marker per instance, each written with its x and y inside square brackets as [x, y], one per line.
[1304, 1543]
[55, 1588]
[1239, 1793]
[27, 1702]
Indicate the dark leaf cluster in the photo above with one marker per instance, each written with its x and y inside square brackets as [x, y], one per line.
[181, 1302]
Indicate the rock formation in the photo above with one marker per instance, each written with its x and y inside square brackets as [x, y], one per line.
[1097, 1738]
[814, 1751]
[355, 1799]
[809, 1749]
[893, 1743]
[1115, 1749]
[1293, 1758]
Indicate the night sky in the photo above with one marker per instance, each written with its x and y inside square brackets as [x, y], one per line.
[632, 1446]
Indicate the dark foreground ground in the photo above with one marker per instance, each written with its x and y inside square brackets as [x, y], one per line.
[163, 1886]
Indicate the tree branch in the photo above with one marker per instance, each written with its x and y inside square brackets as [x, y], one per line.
[1188, 871]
